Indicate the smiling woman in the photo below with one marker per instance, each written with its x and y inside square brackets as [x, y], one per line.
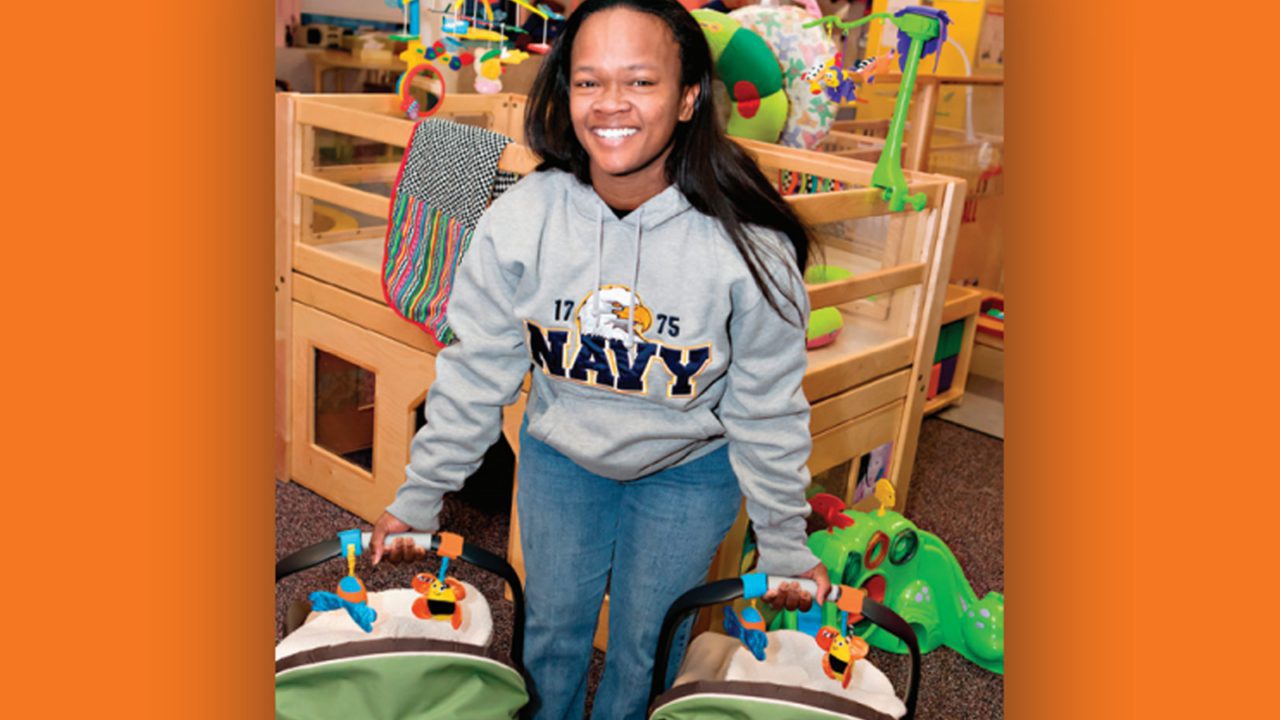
[625, 101]
[652, 275]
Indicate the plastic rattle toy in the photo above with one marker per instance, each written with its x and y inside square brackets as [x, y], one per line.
[440, 594]
[409, 104]
[837, 81]
[351, 594]
[748, 628]
[418, 58]
[842, 653]
[831, 77]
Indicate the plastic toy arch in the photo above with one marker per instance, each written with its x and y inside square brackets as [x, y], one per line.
[408, 103]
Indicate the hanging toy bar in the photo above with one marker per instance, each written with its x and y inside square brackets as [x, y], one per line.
[921, 32]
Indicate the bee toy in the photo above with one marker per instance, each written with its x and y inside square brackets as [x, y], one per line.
[440, 597]
[842, 653]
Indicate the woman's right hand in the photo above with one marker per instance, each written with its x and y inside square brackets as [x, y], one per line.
[401, 549]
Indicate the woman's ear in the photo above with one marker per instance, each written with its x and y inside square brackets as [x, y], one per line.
[689, 102]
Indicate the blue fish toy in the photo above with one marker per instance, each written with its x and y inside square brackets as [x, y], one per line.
[749, 629]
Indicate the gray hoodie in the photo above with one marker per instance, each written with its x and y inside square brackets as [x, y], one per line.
[649, 343]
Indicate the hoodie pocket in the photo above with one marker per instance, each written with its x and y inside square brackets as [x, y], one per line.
[623, 438]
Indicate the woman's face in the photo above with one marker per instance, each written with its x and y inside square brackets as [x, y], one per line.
[625, 98]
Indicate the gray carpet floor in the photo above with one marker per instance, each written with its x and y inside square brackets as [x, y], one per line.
[957, 492]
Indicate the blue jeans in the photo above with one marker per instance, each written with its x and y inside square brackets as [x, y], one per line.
[649, 540]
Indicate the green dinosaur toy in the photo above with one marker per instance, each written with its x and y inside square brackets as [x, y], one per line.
[915, 575]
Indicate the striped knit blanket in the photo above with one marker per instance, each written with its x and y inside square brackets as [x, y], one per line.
[447, 178]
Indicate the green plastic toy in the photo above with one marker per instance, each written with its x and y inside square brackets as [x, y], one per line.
[916, 575]
[747, 66]
[926, 28]
[824, 323]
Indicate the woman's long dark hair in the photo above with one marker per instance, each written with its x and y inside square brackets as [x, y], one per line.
[714, 173]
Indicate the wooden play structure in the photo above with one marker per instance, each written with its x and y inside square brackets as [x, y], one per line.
[344, 357]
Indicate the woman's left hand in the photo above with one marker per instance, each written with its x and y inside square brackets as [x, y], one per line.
[789, 596]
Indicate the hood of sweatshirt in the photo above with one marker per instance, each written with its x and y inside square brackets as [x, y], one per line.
[650, 216]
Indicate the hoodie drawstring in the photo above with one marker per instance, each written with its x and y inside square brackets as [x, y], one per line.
[599, 254]
[635, 277]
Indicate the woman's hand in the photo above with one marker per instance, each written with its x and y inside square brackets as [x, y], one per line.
[789, 596]
[401, 549]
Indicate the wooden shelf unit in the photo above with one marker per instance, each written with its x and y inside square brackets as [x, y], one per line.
[962, 304]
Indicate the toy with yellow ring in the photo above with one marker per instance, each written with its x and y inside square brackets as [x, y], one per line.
[751, 74]
[417, 59]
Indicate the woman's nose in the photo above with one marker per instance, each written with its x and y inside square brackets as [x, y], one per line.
[613, 98]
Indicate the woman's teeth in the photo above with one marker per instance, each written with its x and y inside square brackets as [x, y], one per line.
[613, 133]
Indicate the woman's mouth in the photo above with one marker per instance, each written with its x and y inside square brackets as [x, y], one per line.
[614, 134]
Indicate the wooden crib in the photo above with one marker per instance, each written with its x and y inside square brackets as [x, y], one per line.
[974, 156]
[867, 388]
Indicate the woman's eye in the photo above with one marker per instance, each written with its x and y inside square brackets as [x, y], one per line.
[643, 83]
[585, 83]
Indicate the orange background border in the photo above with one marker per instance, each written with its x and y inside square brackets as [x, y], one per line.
[138, 359]
[1140, 378]
[1140, 374]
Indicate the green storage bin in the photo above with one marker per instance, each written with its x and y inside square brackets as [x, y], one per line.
[949, 339]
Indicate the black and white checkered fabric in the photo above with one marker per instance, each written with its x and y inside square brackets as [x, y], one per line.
[452, 167]
[504, 182]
